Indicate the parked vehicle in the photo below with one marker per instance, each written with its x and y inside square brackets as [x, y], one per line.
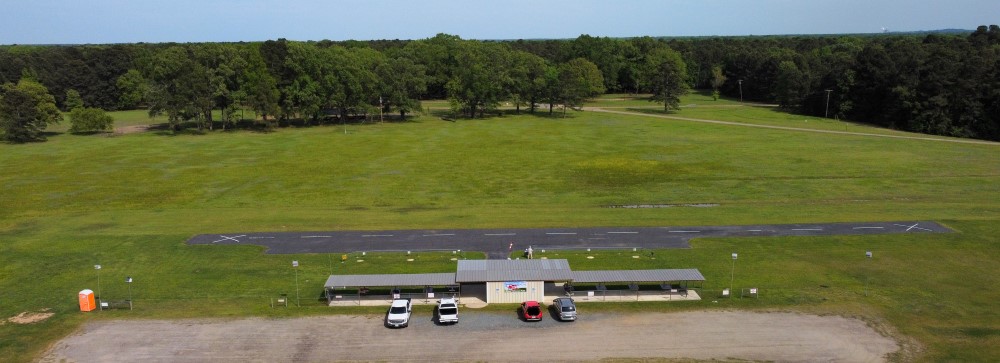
[447, 310]
[531, 311]
[565, 307]
[399, 313]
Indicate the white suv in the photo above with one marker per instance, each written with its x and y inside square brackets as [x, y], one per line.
[447, 310]
[565, 307]
[399, 314]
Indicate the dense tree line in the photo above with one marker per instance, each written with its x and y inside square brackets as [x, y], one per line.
[936, 83]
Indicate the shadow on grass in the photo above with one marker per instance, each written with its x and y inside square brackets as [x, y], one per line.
[259, 126]
[651, 111]
[450, 116]
[92, 133]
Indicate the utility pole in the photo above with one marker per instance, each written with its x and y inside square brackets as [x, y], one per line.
[98, 268]
[741, 90]
[128, 280]
[827, 113]
[295, 265]
[868, 256]
[732, 276]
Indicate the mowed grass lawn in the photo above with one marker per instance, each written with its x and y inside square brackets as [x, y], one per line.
[129, 203]
[700, 105]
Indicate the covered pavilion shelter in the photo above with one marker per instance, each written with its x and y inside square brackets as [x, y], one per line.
[669, 282]
[381, 287]
[513, 281]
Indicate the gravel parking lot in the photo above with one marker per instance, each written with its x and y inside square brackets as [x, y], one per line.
[481, 336]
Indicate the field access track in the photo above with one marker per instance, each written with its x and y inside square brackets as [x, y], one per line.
[498, 243]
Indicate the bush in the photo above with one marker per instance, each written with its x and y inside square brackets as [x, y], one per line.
[90, 119]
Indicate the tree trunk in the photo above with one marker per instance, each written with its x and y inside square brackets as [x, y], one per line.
[208, 116]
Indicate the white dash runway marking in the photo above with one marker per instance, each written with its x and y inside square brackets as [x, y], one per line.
[807, 229]
[438, 235]
[315, 236]
[376, 235]
[624, 232]
[500, 234]
[684, 231]
[869, 227]
[755, 230]
[560, 233]
[261, 237]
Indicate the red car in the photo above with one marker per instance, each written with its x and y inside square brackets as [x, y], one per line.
[531, 311]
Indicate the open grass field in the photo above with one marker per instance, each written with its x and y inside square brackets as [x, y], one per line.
[700, 105]
[129, 203]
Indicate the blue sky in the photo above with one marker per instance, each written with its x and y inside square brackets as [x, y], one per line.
[124, 21]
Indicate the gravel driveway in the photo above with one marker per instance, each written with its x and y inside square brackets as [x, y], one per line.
[481, 336]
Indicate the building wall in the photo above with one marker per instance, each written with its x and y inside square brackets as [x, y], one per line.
[497, 292]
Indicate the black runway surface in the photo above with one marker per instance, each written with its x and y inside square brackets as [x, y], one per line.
[497, 243]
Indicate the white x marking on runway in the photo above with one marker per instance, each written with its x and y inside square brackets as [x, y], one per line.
[908, 228]
[233, 238]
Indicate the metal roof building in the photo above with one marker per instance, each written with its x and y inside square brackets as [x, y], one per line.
[508, 270]
[508, 281]
[470, 271]
[637, 276]
[343, 281]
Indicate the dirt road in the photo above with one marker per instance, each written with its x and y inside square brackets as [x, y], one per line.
[481, 336]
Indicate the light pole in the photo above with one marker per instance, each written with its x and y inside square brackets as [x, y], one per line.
[98, 268]
[868, 256]
[295, 265]
[741, 90]
[732, 276]
[826, 114]
[128, 280]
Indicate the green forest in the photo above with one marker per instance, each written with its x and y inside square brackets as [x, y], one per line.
[942, 84]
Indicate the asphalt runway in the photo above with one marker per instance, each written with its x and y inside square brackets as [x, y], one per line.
[497, 243]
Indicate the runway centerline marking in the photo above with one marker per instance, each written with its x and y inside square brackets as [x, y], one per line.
[869, 227]
[807, 229]
[261, 237]
[913, 226]
[684, 231]
[755, 230]
[440, 234]
[624, 232]
[376, 235]
[233, 238]
[560, 232]
[500, 234]
[315, 236]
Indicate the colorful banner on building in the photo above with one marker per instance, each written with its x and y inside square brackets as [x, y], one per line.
[516, 286]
